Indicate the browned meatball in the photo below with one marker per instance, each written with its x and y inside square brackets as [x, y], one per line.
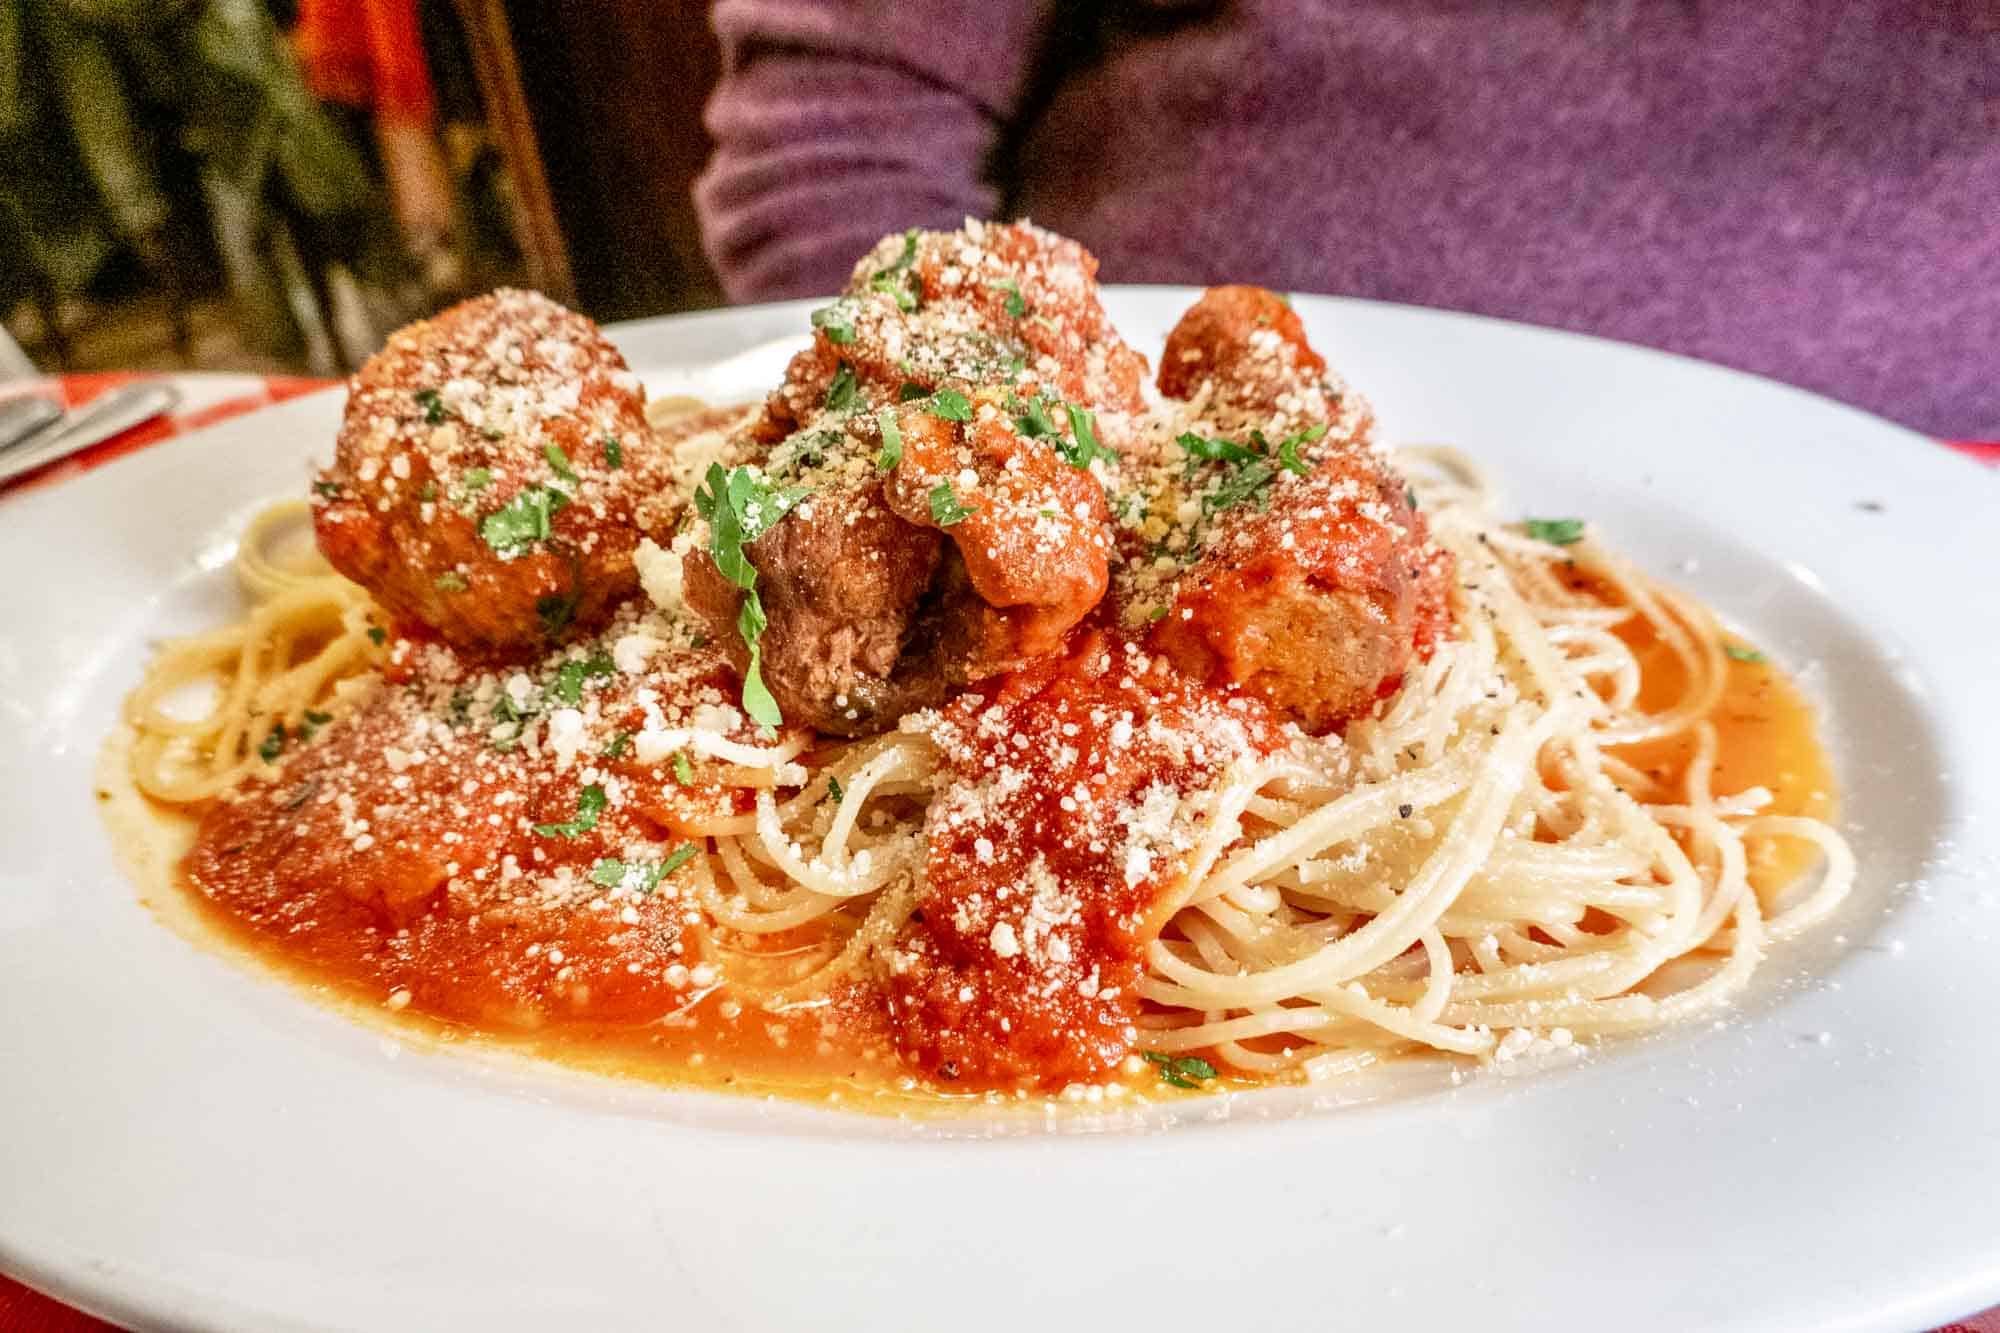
[494, 472]
[875, 600]
[1295, 565]
[840, 580]
[1247, 348]
[1030, 534]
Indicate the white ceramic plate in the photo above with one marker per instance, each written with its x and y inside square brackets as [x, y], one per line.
[185, 1143]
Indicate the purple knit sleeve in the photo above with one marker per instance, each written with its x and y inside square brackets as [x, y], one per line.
[838, 121]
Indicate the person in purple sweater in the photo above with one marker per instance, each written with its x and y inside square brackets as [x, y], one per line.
[1805, 188]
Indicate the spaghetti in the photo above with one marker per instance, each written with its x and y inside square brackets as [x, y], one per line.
[1473, 869]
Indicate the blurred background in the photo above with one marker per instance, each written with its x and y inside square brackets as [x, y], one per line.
[274, 185]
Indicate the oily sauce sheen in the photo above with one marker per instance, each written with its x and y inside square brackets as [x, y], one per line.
[591, 989]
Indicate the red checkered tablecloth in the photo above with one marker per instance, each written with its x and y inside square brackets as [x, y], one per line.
[206, 399]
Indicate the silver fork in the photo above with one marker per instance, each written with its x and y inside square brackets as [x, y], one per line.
[106, 415]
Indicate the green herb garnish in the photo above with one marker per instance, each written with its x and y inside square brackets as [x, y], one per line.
[1016, 305]
[614, 453]
[450, 581]
[617, 745]
[1288, 450]
[435, 411]
[476, 479]
[377, 635]
[840, 395]
[892, 441]
[273, 745]
[911, 391]
[679, 857]
[683, 770]
[589, 805]
[1736, 652]
[945, 507]
[1250, 481]
[833, 789]
[330, 489]
[1185, 1071]
[1079, 453]
[835, 322]
[522, 521]
[559, 463]
[1034, 420]
[1555, 531]
[570, 675]
[950, 405]
[740, 508]
[1213, 451]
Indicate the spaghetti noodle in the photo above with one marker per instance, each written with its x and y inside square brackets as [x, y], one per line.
[1473, 869]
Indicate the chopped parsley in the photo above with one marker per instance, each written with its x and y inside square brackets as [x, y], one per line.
[612, 873]
[1156, 615]
[901, 286]
[950, 405]
[522, 521]
[1016, 305]
[840, 395]
[946, 509]
[570, 675]
[450, 581]
[1288, 450]
[1410, 494]
[679, 857]
[614, 453]
[1086, 446]
[1213, 451]
[435, 411]
[1736, 652]
[330, 489]
[377, 635]
[740, 508]
[476, 479]
[1034, 420]
[836, 322]
[1555, 531]
[1184, 1071]
[833, 789]
[897, 280]
[892, 441]
[314, 721]
[273, 745]
[1250, 481]
[559, 463]
[589, 805]
[911, 391]
[427, 491]
[617, 745]
[683, 770]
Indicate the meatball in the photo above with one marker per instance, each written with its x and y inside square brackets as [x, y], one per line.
[1243, 352]
[1317, 604]
[1301, 571]
[952, 361]
[493, 474]
[840, 582]
[1030, 534]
